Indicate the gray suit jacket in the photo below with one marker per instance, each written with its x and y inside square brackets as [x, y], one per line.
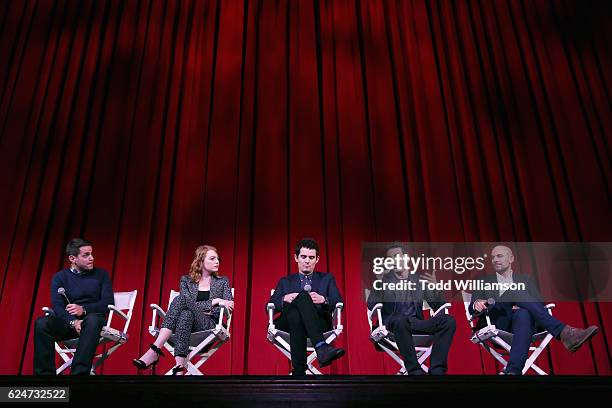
[219, 288]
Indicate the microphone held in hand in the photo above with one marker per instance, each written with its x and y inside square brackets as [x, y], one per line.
[62, 292]
[488, 306]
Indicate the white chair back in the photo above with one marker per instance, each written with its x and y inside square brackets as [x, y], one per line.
[173, 294]
[124, 301]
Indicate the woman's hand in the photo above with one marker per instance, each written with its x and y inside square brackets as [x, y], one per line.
[229, 304]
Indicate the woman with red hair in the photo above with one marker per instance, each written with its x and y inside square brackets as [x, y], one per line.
[196, 308]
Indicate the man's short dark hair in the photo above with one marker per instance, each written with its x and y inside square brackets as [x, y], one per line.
[308, 243]
[394, 245]
[74, 246]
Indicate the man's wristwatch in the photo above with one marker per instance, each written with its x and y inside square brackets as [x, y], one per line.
[71, 323]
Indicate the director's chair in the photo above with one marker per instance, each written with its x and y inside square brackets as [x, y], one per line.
[383, 338]
[202, 344]
[280, 338]
[123, 307]
[498, 342]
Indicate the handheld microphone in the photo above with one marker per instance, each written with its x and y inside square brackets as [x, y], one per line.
[62, 292]
[488, 305]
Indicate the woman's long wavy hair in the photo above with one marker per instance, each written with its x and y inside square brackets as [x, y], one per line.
[195, 271]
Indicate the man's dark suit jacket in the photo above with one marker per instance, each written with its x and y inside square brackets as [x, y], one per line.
[392, 299]
[501, 312]
[322, 282]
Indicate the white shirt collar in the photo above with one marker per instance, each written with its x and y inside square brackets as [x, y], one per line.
[505, 278]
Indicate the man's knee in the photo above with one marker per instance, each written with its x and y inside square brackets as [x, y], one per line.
[522, 319]
[521, 315]
[402, 325]
[293, 315]
[448, 322]
[42, 324]
[303, 298]
[93, 321]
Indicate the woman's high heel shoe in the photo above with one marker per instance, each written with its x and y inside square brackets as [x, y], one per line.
[141, 364]
[179, 370]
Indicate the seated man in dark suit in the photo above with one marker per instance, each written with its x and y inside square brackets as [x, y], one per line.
[522, 313]
[402, 314]
[306, 300]
[79, 312]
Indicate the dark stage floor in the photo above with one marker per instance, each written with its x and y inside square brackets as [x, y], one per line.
[328, 391]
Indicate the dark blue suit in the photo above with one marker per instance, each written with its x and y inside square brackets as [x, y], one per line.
[303, 319]
[524, 322]
[322, 282]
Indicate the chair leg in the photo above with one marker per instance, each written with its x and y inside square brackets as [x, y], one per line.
[63, 367]
[529, 363]
[422, 357]
[313, 370]
[538, 369]
[535, 353]
[391, 353]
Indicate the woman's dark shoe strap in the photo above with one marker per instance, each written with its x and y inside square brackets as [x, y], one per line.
[157, 350]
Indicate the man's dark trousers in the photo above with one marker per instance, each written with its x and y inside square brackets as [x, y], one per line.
[524, 321]
[302, 321]
[49, 329]
[442, 327]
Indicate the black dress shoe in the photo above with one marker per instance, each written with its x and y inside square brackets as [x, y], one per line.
[298, 373]
[326, 354]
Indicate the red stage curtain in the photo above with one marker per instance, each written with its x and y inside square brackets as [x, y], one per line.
[150, 127]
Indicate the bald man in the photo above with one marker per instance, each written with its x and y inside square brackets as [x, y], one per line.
[521, 313]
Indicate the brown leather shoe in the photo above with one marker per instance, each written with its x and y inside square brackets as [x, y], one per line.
[573, 338]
